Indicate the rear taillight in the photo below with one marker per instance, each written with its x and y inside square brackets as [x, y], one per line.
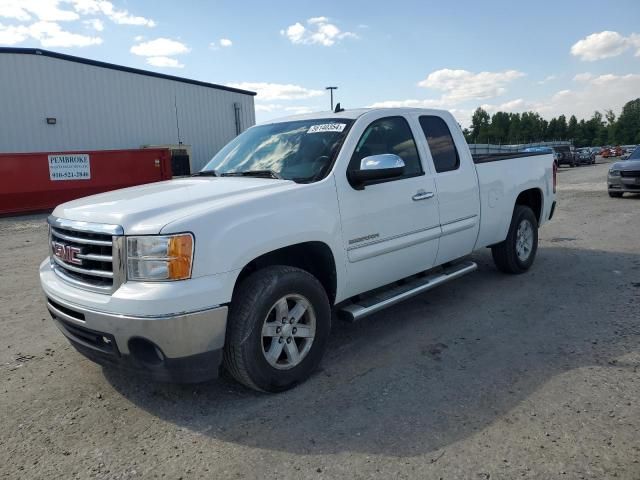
[555, 176]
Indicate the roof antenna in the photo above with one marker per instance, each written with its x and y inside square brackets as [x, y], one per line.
[338, 108]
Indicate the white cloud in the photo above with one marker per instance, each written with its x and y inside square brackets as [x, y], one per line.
[52, 35]
[160, 47]
[28, 10]
[461, 85]
[268, 107]
[410, 103]
[458, 87]
[41, 20]
[298, 110]
[280, 110]
[634, 41]
[319, 31]
[314, 20]
[604, 45]
[583, 77]
[547, 79]
[49, 34]
[106, 8]
[593, 93]
[597, 93]
[95, 23]
[12, 34]
[166, 62]
[222, 43]
[277, 91]
[517, 105]
[295, 32]
[159, 52]
[67, 10]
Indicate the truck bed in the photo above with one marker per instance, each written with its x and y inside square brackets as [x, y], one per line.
[501, 178]
[496, 157]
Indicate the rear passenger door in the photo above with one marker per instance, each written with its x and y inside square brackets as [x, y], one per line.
[456, 183]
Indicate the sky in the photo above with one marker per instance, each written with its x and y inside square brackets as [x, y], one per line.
[554, 57]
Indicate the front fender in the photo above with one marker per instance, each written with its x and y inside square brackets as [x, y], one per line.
[229, 237]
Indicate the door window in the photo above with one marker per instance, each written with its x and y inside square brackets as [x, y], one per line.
[389, 135]
[443, 148]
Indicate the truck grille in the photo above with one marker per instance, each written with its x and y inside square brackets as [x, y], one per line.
[630, 173]
[86, 255]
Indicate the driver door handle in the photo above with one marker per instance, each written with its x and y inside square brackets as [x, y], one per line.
[422, 195]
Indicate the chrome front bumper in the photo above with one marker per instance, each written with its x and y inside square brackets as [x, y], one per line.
[618, 183]
[184, 347]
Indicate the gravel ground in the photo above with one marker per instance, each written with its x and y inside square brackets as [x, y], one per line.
[492, 376]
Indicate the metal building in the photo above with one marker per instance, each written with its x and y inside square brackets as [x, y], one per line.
[55, 102]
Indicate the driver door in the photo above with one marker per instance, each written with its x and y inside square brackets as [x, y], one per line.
[391, 228]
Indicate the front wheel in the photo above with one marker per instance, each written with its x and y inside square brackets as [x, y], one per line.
[615, 194]
[278, 328]
[518, 251]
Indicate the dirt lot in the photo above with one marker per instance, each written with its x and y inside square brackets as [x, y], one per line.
[492, 376]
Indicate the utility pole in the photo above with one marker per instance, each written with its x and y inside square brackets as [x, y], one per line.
[331, 89]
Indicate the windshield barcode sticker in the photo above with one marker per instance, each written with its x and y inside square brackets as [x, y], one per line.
[327, 127]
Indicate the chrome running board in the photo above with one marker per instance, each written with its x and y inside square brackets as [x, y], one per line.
[371, 303]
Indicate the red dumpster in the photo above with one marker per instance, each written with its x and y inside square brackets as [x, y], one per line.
[31, 182]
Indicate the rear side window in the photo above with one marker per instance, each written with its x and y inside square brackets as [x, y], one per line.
[443, 149]
[389, 135]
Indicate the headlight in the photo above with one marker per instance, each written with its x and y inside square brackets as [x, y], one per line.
[614, 173]
[158, 258]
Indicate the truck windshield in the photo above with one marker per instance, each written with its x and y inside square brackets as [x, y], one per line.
[302, 151]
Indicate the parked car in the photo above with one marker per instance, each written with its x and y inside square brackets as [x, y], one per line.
[627, 152]
[584, 156]
[624, 176]
[565, 157]
[613, 152]
[549, 150]
[243, 263]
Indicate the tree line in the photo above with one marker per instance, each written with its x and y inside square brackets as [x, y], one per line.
[529, 127]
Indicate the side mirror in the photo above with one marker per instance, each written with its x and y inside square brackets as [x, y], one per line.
[376, 167]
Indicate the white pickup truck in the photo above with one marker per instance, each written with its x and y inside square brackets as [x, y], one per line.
[242, 264]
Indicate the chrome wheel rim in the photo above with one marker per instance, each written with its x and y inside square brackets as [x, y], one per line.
[288, 331]
[524, 240]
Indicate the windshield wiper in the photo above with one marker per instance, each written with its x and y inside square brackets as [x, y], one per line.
[205, 173]
[254, 173]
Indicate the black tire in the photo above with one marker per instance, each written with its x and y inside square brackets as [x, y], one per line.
[253, 300]
[615, 194]
[505, 254]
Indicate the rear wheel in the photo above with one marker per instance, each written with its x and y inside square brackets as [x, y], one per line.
[278, 328]
[615, 194]
[518, 251]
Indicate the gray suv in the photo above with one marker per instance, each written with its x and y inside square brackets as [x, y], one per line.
[624, 176]
[565, 155]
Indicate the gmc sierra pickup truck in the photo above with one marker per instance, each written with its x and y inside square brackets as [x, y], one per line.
[243, 265]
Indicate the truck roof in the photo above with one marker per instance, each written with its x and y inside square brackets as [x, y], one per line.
[355, 113]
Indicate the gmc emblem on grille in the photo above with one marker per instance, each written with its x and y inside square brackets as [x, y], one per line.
[67, 253]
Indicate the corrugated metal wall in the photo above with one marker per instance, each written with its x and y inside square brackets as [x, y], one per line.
[99, 108]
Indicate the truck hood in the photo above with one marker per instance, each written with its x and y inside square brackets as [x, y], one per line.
[146, 209]
[627, 165]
